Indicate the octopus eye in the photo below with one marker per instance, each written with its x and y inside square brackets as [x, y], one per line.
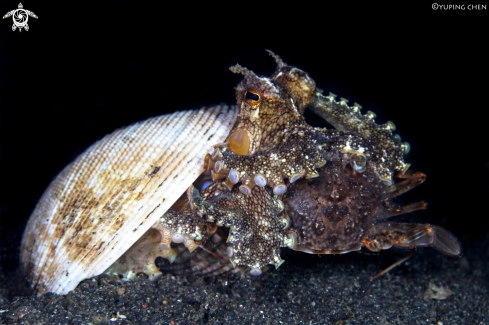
[252, 96]
[359, 162]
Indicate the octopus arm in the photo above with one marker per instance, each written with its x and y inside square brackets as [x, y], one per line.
[297, 156]
[333, 142]
[256, 231]
[346, 118]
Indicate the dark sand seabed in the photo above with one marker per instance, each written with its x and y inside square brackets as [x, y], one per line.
[428, 289]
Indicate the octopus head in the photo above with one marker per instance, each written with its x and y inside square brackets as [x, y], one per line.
[268, 105]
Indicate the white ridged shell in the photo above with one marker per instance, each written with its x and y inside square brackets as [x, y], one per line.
[105, 200]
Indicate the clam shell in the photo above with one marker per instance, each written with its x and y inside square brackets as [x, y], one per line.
[105, 200]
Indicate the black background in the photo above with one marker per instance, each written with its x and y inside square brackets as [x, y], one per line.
[87, 68]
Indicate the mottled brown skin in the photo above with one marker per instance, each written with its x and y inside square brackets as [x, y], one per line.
[339, 212]
[256, 230]
[283, 99]
[334, 211]
[389, 151]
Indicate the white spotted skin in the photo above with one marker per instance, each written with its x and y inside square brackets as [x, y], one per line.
[105, 200]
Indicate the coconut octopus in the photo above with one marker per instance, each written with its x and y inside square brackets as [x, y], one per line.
[278, 182]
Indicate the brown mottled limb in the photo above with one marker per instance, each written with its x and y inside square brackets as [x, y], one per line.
[216, 205]
[346, 118]
[181, 224]
[256, 231]
[394, 210]
[334, 142]
[411, 235]
[298, 156]
[412, 179]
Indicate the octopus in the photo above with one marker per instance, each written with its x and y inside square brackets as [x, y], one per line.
[278, 182]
